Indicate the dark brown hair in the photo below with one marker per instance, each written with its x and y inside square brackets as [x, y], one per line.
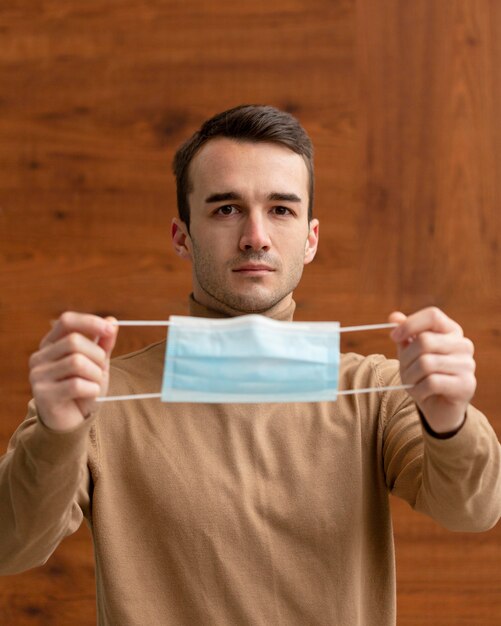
[247, 122]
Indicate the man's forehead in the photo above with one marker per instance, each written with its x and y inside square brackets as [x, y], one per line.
[223, 160]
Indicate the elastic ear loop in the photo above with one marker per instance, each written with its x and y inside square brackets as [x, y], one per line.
[344, 329]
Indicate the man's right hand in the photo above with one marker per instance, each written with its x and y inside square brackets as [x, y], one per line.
[71, 368]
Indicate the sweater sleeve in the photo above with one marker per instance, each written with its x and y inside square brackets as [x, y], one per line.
[44, 489]
[456, 481]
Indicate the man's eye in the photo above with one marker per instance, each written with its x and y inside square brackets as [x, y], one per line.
[282, 210]
[225, 210]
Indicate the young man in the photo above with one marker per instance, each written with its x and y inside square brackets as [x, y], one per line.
[244, 513]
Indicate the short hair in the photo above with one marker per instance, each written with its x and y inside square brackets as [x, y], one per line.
[247, 122]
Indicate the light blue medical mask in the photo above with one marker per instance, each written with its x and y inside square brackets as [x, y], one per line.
[250, 358]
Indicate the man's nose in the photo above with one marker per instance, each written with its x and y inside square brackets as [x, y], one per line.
[255, 234]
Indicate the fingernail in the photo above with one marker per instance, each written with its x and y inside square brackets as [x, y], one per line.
[109, 329]
[396, 335]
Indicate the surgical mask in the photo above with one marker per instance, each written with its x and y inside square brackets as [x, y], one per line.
[250, 359]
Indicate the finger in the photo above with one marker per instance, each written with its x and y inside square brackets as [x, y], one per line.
[451, 388]
[74, 365]
[70, 389]
[434, 343]
[430, 319]
[107, 342]
[91, 326]
[431, 364]
[71, 344]
[397, 317]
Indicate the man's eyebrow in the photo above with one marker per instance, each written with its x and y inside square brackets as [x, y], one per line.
[222, 197]
[284, 197]
[232, 195]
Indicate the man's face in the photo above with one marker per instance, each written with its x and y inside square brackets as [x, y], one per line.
[249, 234]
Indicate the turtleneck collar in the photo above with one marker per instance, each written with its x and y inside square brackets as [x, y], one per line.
[199, 310]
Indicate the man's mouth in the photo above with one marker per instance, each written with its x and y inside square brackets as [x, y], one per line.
[253, 269]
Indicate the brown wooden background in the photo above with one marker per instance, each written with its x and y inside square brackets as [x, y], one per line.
[402, 100]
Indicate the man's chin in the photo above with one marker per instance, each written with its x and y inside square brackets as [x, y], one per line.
[245, 303]
[249, 304]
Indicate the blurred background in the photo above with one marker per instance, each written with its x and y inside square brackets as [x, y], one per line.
[402, 102]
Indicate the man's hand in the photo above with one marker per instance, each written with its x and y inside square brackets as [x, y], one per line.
[437, 359]
[71, 368]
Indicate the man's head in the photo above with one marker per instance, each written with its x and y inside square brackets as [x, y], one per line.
[245, 189]
[248, 122]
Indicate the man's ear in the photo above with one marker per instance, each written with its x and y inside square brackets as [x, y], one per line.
[310, 248]
[181, 240]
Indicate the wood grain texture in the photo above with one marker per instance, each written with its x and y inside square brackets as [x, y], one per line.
[401, 100]
[430, 226]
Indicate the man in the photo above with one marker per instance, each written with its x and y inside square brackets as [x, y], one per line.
[244, 513]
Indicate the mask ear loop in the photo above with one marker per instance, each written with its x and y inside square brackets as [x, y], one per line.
[343, 329]
[350, 392]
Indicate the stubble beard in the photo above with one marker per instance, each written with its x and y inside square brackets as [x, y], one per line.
[216, 284]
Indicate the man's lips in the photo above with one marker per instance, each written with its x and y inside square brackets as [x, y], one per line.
[254, 268]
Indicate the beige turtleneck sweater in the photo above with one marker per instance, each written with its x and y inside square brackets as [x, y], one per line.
[256, 515]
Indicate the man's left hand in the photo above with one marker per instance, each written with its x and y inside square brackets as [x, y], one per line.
[437, 359]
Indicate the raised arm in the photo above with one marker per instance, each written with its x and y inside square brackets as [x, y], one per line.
[448, 463]
[44, 476]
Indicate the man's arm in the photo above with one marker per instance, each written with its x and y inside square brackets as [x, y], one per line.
[44, 476]
[43, 491]
[443, 458]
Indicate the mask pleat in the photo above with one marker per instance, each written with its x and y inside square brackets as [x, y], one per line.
[250, 360]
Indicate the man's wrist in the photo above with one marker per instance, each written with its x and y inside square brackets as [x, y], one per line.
[437, 435]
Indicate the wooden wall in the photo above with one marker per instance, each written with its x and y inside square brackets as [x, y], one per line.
[402, 100]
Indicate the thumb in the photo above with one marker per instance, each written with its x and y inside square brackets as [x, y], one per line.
[397, 317]
[107, 341]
